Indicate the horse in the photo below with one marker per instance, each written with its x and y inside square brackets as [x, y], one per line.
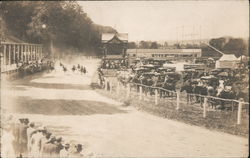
[73, 68]
[168, 87]
[188, 88]
[64, 69]
[226, 94]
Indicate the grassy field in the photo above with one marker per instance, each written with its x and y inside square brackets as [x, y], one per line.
[224, 121]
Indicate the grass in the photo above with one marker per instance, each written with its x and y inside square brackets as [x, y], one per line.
[223, 121]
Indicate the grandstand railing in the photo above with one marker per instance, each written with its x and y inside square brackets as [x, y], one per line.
[12, 54]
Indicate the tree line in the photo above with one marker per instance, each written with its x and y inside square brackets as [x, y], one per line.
[146, 45]
[228, 45]
[64, 22]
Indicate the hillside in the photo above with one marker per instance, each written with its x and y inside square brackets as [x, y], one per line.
[65, 23]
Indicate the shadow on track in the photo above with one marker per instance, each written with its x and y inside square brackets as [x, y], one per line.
[57, 86]
[26, 105]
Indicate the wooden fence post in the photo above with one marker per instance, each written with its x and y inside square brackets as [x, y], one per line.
[140, 88]
[9, 59]
[4, 55]
[156, 96]
[110, 86]
[177, 100]
[14, 53]
[118, 87]
[128, 90]
[106, 84]
[205, 108]
[239, 112]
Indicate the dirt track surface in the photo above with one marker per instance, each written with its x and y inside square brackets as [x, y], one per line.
[66, 104]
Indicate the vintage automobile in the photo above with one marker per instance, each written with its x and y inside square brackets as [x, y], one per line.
[211, 80]
[166, 69]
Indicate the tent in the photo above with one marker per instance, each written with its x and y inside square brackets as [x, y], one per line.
[227, 61]
[228, 57]
[243, 58]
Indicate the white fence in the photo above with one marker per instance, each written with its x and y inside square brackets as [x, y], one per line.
[159, 95]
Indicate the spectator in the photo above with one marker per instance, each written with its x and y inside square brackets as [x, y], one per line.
[21, 137]
[64, 153]
[77, 152]
[7, 139]
[30, 131]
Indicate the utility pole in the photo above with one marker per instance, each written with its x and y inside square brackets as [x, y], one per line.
[51, 48]
[200, 35]
[182, 33]
[177, 35]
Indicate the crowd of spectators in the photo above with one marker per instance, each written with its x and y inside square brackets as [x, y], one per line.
[113, 64]
[32, 67]
[221, 83]
[22, 138]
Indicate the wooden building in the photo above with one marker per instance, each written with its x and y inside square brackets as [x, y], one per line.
[114, 44]
[165, 54]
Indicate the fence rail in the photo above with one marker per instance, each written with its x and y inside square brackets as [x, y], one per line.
[13, 54]
[159, 94]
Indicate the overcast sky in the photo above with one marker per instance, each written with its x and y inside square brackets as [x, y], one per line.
[171, 20]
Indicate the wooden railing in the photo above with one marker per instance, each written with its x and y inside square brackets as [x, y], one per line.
[13, 54]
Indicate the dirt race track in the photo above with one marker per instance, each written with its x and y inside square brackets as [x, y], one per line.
[67, 105]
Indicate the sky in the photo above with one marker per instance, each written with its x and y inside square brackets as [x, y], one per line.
[172, 20]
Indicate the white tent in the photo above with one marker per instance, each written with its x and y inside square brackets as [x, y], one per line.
[243, 57]
[228, 57]
[227, 61]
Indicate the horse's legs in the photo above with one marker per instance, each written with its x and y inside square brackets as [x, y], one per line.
[188, 99]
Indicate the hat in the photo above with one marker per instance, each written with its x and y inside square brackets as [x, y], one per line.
[79, 147]
[31, 124]
[228, 88]
[41, 128]
[66, 145]
[52, 139]
[59, 139]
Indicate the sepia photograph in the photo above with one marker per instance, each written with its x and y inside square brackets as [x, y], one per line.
[124, 79]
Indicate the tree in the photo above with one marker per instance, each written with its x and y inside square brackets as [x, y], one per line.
[165, 44]
[236, 46]
[132, 45]
[144, 45]
[17, 15]
[66, 24]
[154, 45]
[177, 46]
[218, 43]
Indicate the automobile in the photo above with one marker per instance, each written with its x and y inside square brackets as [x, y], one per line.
[166, 69]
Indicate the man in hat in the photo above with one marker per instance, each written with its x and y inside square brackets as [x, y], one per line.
[44, 140]
[59, 145]
[36, 143]
[21, 136]
[7, 140]
[49, 148]
[30, 131]
[77, 153]
[64, 153]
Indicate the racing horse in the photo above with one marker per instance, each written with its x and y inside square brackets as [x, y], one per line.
[188, 88]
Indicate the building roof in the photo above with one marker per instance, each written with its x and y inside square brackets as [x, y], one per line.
[114, 57]
[109, 36]
[228, 57]
[163, 50]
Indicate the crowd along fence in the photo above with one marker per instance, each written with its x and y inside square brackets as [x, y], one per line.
[181, 100]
